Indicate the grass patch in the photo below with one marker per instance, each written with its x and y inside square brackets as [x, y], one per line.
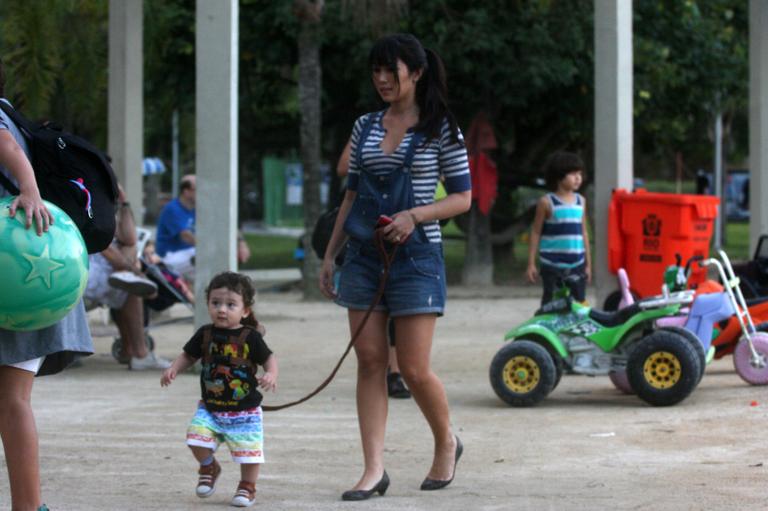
[269, 252]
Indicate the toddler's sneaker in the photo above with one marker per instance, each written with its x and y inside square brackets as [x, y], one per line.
[151, 361]
[206, 483]
[133, 284]
[245, 495]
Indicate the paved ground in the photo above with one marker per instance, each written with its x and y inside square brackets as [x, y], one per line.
[114, 440]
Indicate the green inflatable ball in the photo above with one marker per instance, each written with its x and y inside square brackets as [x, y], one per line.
[43, 276]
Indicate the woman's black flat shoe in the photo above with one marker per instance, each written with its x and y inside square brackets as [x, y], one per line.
[381, 488]
[436, 484]
[396, 386]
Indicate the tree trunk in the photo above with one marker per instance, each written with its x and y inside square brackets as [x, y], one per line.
[310, 84]
[478, 255]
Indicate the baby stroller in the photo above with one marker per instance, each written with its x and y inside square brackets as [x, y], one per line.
[170, 290]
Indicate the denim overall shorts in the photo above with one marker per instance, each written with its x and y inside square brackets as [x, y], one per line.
[416, 283]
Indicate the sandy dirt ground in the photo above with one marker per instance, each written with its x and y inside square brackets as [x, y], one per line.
[112, 439]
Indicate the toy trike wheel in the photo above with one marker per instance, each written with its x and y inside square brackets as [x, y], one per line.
[742, 359]
[117, 347]
[621, 382]
[522, 373]
[663, 368]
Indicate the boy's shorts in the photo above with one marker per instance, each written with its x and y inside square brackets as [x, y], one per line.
[242, 431]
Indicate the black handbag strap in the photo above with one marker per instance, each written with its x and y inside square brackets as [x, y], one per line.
[19, 120]
[8, 185]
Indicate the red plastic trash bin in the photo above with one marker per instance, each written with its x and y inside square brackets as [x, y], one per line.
[646, 230]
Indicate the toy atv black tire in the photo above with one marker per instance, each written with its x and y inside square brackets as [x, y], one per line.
[695, 342]
[663, 368]
[522, 373]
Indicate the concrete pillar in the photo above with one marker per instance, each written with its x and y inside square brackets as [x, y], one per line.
[216, 49]
[613, 125]
[126, 98]
[758, 120]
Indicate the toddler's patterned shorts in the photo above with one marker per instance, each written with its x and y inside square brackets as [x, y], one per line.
[242, 431]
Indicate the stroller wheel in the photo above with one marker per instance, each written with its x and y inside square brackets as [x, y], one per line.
[117, 348]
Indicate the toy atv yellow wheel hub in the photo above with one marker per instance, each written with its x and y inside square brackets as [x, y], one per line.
[662, 370]
[521, 374]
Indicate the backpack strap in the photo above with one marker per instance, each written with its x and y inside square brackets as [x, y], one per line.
[19, 120]
[240, 341]
[8, 185]
[206, 348]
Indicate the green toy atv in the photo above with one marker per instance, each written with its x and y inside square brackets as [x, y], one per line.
[663, 365]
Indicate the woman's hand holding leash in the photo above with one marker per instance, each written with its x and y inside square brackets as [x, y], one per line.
[399, 228]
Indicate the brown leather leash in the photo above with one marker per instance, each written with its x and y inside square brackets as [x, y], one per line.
[387, 257]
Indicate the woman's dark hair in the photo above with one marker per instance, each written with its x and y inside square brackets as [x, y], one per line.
[559, 164]
[237, 283]
[2, 79]
[431, 89]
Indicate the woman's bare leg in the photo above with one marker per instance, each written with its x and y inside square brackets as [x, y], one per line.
[414, 345]
[371, 349]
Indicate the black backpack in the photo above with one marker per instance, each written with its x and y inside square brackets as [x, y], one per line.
[74, 175]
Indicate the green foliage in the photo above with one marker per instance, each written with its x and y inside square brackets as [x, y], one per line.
[55, 72]
[528, 64]
[169, 75]
[690, 63]
[269, 252]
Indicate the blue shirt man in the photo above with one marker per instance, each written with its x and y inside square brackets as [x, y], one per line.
[176, 228]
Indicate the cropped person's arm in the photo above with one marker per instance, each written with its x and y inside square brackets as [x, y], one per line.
[13, 158]
[126, 224]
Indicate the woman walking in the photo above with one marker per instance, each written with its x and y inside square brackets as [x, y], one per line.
[397, 157]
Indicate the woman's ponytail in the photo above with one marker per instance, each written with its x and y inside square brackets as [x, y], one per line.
[432, 98]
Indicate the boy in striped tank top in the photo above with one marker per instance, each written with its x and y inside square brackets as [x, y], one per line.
[559, 231]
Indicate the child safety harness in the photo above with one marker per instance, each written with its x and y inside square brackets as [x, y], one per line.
[238, 341]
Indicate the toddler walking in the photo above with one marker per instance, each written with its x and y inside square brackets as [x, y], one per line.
[231, 349]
